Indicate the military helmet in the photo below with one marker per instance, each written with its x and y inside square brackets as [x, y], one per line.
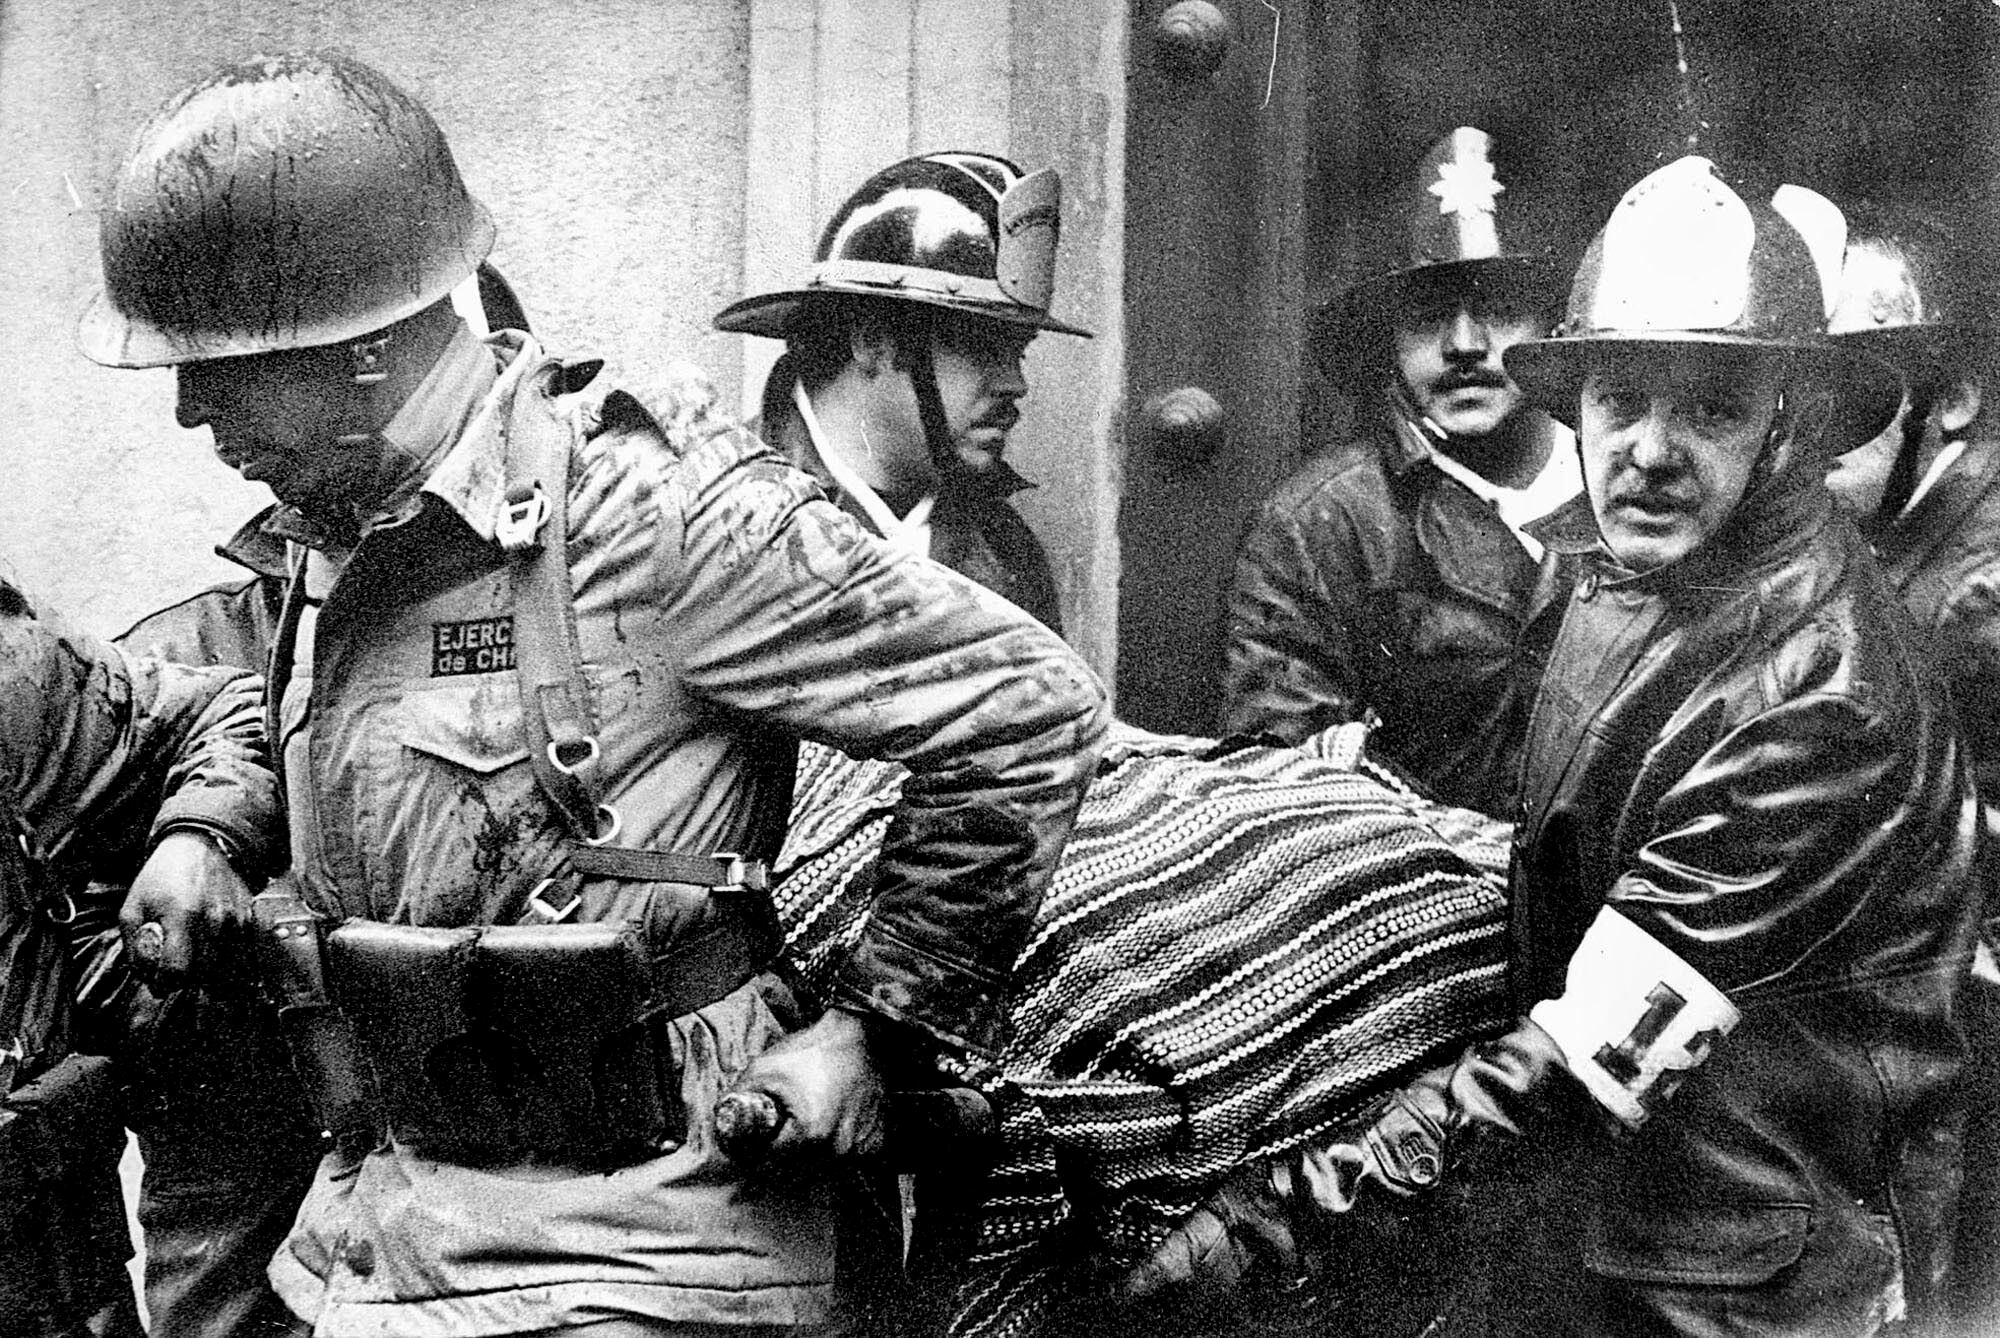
[961, 232]
[1457, 224]
[1908, 293]
[285, 202]
[1686, 259]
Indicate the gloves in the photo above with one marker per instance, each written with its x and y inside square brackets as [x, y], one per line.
[1633, 1021]
[822, 1087]
[1287, 1217]
[1242, 1232]
[186, 912]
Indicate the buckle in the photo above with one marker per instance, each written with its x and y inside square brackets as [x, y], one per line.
[609, 824]
[740, 874]
[591, 752]
[367, 355]
[522, 513]
[540, 908]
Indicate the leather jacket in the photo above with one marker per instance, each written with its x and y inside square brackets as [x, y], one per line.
[1943, 557]
[1371, 582]
[1740, 753]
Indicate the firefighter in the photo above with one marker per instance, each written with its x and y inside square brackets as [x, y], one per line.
[1926, 492]
[902, 374]
[1744, 895]
[1400, 576]
[537, 685]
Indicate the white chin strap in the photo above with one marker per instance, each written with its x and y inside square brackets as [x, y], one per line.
[465, 301]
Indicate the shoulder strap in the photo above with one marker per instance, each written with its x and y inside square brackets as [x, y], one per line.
[533, 530]
[556, 713]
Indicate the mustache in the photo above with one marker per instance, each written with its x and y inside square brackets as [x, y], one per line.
[1463, 378]
[1652, 497]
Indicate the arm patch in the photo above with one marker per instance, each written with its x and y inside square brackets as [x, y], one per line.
[1633, 1019]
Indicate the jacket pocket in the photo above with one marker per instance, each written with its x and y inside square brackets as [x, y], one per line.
[1714, 1244]
[478, 728]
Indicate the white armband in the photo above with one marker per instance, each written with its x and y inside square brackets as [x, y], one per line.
[1633, 1019]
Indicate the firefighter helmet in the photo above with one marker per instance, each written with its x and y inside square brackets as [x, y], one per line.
[285, 202]
[1457, 226]
[1686, 259]
[1907, 293]
[962, 232]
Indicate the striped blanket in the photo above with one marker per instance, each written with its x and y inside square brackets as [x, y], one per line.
[1240, 948]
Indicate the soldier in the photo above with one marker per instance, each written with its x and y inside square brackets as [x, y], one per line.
[227, 1148]
[1400, 575]
[901, 375]
[538, 681]
[1743, 890]
[110, 763]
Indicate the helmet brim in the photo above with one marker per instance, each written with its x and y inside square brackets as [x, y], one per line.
[1923, 352]
[772, 315]
[1867, 391]
[1344, 325]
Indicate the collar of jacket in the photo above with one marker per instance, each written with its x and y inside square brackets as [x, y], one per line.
[1570, 528]
[1941, 514]
[259, 543]
[1411, 447]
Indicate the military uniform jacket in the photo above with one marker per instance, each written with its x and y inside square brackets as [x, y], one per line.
[1371, 582]
[101, 754]
[724, 608]
[1741, 754]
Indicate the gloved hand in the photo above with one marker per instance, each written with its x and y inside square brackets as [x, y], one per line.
[1243, 1232]
[186, 912]
[1633, 1015]
[1281, 1220]
[826, 1087]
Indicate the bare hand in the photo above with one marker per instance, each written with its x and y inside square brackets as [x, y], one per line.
[187, 910]
[825, 1088]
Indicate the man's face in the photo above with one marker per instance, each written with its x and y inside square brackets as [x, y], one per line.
[276, 419]
[1669, 441]
[980, 385]
[1448, 337]
[1860, 478]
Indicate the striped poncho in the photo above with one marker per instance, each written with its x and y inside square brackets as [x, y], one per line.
[1240, 948]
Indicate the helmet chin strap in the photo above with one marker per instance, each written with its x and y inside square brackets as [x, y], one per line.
[369, 369]
[370, 360]
[951, 470]
[1902, 480]
[1766, 463]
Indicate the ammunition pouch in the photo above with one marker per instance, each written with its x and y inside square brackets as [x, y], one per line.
[63, 1236]
[495, 1045]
